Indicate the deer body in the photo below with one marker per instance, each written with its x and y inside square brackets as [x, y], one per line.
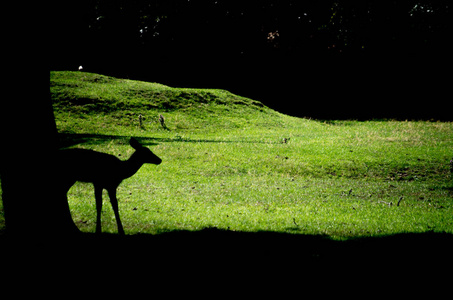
[104, 171]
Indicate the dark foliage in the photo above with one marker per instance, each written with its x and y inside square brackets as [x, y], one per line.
[353, 59]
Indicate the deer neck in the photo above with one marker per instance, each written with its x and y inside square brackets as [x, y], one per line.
[131, 166]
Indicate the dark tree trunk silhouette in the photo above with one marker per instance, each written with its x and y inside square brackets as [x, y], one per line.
[29, 134]
[31, 206]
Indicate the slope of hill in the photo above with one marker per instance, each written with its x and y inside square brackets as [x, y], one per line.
[232, 163]
[121, 101]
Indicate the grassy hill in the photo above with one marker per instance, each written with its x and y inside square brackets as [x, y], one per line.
[121, 101]
[232, 163]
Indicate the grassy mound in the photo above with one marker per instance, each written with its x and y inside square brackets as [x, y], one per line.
[121, 100]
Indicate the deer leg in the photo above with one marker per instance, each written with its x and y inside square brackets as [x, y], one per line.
[98, 196]
[114, 202]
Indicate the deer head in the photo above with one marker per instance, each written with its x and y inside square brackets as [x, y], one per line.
[145, 155]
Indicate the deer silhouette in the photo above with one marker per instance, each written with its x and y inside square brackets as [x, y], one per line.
[105, 171]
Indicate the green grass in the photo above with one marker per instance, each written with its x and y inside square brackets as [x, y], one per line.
[232, 163]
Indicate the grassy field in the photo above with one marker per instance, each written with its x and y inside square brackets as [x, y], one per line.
[234, 164]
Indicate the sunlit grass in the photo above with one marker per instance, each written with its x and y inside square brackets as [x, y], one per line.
[231, 163]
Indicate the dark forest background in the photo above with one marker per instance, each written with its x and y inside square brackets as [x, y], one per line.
[320, 59]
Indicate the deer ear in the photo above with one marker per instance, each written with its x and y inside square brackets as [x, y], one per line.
[135, 144]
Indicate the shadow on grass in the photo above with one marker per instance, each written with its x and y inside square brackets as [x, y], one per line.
[214, 248]
[293, 248]
[72, 139]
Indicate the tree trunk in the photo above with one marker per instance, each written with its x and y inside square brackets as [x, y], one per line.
[28, 133]
[31, 204]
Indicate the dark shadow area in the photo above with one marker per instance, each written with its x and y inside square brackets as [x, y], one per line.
[236, 252]
[72, 139]
[283, 248]
[328, 59]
